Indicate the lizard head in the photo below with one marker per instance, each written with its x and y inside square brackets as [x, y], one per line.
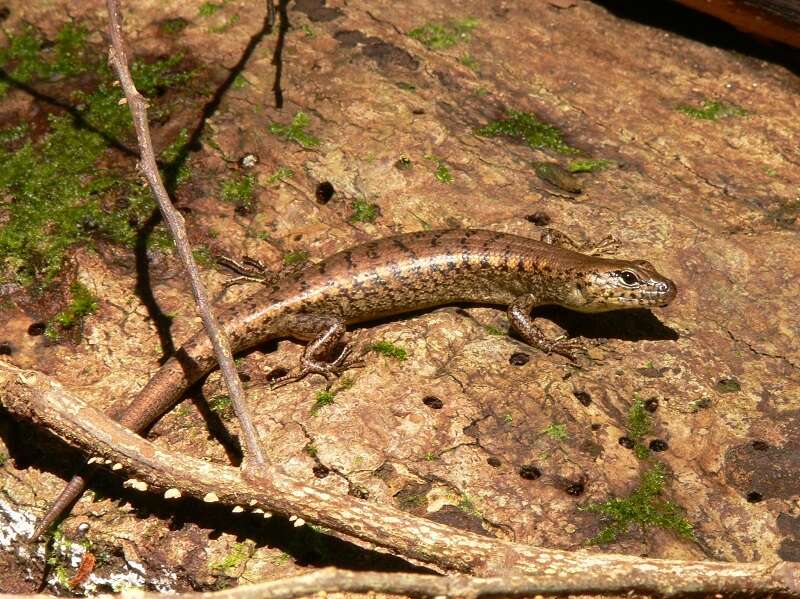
[620, 284]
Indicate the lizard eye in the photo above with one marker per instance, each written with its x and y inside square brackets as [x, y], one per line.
[628, 277]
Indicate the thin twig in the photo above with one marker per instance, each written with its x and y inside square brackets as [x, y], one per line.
[32, 395]
[118, 58]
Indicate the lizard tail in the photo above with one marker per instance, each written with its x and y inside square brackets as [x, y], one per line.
[162, 392]
[62, 504]
[190, 363]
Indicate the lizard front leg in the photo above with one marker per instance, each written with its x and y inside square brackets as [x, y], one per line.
[607, 245]
[323, 333]
[519, 314]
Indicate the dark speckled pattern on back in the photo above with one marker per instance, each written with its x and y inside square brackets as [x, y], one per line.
[391, 276]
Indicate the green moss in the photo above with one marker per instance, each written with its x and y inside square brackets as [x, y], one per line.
[175, 170]
[639, 420]
[203, 256]
[557, 432]
[712, 110]
[529, 129]
[28, 57]
[295, 131]
[322, 399]
[3, 459]
[296, 257]
[239, 553]
[221, 404]
[493, 330]
[430, 456]
[61, 192]
[639, 425]
[411, 502]
[440, 36]
[240, 190]
[311, 450]
[390, 350]
[173, 26]
[279, 175]
[208, 8]
[56, 190]
[468, 60]
[14, 134]
[442, 172]
[363, 211]
[467, 505]
[588, 165]
[239, 82]
[644, 506]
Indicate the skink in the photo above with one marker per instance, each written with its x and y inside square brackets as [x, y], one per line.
[391, 276]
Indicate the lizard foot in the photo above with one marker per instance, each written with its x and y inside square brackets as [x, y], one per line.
[569, 348]
[330, 370]
[252, 270]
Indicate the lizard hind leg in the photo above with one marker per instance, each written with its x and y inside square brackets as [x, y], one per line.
[324, 334]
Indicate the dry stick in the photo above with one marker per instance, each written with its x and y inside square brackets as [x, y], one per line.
[33, 396]
[119, 60]
[333, 580]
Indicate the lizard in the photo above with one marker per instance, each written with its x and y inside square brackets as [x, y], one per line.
[391, 276]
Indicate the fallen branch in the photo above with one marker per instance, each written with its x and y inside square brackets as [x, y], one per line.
[31, 395]
[118, 57]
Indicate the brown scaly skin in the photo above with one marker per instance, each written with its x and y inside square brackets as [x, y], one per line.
[392, 276]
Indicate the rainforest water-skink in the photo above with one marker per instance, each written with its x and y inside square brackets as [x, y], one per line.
[392, 276]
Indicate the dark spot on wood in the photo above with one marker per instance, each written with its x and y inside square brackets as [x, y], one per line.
[583, 397]
[36, 329]
[529, 472]
[494, 462]
[324, 192]
[760, 445]
[6, 349]
[540, 219]
[575, 489]
[434, 403]
[357, 491]
[754, 497]
[626, 442]
[321, 471]
[519, 359]
[651, 405]
[658, 445]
